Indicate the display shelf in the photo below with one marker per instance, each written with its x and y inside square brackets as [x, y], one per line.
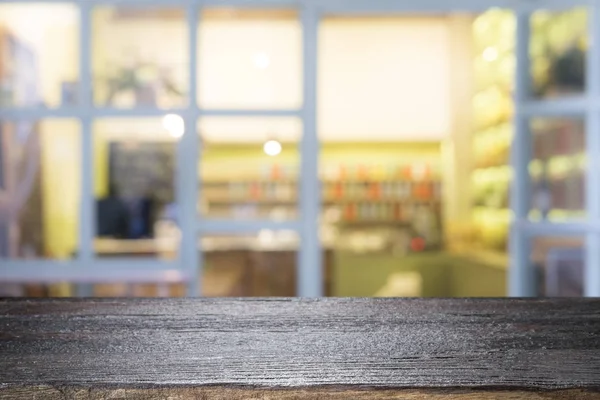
[224, 200]
[385, 201]
[324, 200]
[494, 38]
[557, 169]
[367, 195]
[342, 192]
[225, 181]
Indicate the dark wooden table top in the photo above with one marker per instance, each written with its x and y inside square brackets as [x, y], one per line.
[293, 348]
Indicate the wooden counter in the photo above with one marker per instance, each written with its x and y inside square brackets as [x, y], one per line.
[300, 349]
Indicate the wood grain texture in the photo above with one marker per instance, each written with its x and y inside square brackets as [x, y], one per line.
[292, 348]
[62, 393]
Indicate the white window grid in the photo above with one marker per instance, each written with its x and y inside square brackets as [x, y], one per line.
[86, 268]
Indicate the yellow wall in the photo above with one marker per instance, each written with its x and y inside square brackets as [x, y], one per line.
[100, 166]
[61, 167]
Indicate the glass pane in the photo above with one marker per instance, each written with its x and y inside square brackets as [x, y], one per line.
[140, 57]
[379, 80]
[249, 167]
[251, 265]
[250, 59]
[39, 189]
[367, 190]
[382, 207]
[39, 59]
[558, 50]
[134, 185]
[492, 108]
[559, 263]
[558, 169]
[384, 85]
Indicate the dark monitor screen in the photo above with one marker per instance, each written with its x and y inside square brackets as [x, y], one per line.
[141, 184]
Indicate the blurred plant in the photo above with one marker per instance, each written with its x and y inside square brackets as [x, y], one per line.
[138, 78]
[568, 69]
[558, 51]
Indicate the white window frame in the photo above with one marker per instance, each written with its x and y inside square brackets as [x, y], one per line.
[86, 268]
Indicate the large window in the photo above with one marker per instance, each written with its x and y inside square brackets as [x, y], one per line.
[120, 126]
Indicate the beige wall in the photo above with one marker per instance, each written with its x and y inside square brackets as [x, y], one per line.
[250, 63]
[384, 79]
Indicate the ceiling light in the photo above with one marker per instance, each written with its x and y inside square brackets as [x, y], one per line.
[272, 148]
[174, 124]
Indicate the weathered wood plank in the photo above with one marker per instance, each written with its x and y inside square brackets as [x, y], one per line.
[309, 349]
[52, 393]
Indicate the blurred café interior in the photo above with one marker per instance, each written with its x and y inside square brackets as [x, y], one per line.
[299, 148]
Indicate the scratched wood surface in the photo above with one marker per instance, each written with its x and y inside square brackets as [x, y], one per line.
[300, 349]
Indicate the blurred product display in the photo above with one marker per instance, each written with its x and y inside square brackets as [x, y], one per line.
[494, 46]
[558, 52]
[405, 196]
[557, 169]
[398, 162]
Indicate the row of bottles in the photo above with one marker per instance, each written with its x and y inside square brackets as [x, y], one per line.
[339, 191]
[426, 190]
[262, 190]
[421, 171]
[385, 211]
[380, 172]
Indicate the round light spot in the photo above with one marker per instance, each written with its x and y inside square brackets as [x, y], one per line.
[272, 148]
[490, 54]
[174, 124]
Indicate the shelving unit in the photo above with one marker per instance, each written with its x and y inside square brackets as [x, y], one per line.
[371, 194]
[494, 42]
